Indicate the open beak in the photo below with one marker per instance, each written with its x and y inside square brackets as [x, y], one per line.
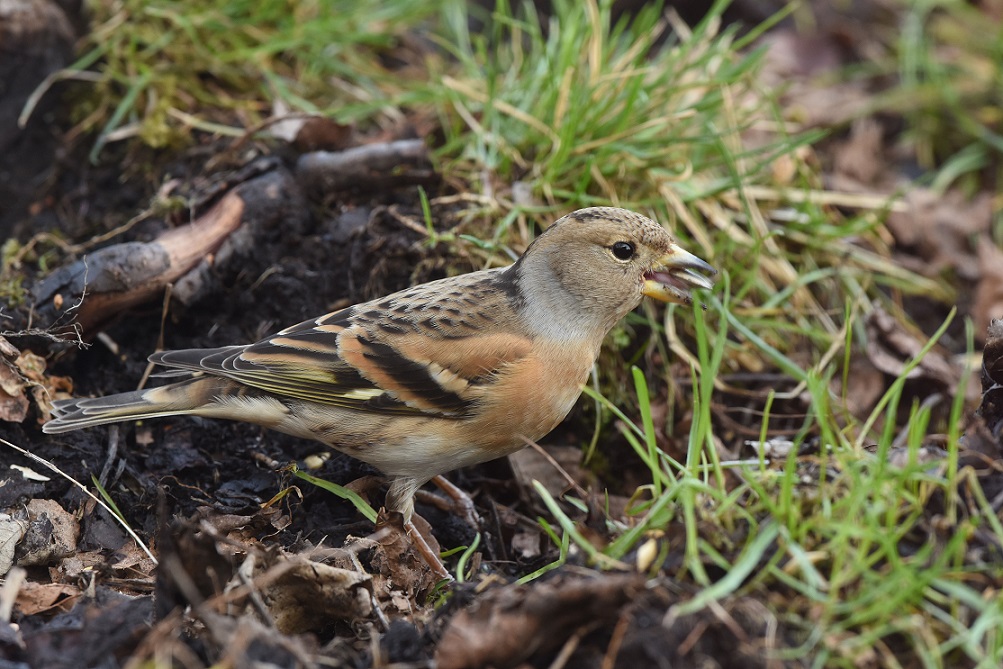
[674, 274]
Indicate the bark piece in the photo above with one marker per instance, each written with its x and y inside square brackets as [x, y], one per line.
[87, 294]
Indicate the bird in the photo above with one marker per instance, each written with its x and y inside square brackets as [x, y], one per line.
[442, 375]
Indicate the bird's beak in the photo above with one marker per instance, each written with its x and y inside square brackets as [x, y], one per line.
[674, 274]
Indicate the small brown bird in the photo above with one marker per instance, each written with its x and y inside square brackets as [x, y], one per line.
[439, 376]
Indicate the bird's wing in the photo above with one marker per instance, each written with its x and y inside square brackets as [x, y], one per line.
[430, 350]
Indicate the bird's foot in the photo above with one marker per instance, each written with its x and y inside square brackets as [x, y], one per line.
[458, 502]
[395, 522]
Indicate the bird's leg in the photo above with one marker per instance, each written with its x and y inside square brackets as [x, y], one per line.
[400, 498]
[458, 503]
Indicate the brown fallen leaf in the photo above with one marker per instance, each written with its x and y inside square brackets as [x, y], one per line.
[939, 227]
[52, 534]
[78, 566]
[44, 387]
[865, 384]
[12, 530]
[558, 473]
[398, 568]
[526, 544]
[13, 400]
[794, 61]
[859, 163]
[20, 372]
[35, 598]
[310, 595]
[508, 625]
[322, 134]
[306, 131]
[890, 347]
[134, 567]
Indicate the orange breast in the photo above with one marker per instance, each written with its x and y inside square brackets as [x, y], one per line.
[531, 397]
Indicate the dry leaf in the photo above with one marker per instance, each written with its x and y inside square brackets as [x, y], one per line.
[529, 465]
[52, 534]
[508, 625]
[12, 530]
[311, 595]
[44, 388]
[864, 386]
[890, 347]
[398, 566]
[526, 544]
[35, 598]
[794, 62]
[859, 159]
[21, 371]
[13, 401]
[939, 228]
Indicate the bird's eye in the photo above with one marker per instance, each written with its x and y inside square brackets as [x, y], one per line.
[623, 250]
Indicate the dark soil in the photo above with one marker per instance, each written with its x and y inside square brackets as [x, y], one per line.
[232, 526]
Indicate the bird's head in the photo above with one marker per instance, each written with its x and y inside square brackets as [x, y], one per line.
[607, 259]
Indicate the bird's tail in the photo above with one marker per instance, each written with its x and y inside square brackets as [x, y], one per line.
[183, 397]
